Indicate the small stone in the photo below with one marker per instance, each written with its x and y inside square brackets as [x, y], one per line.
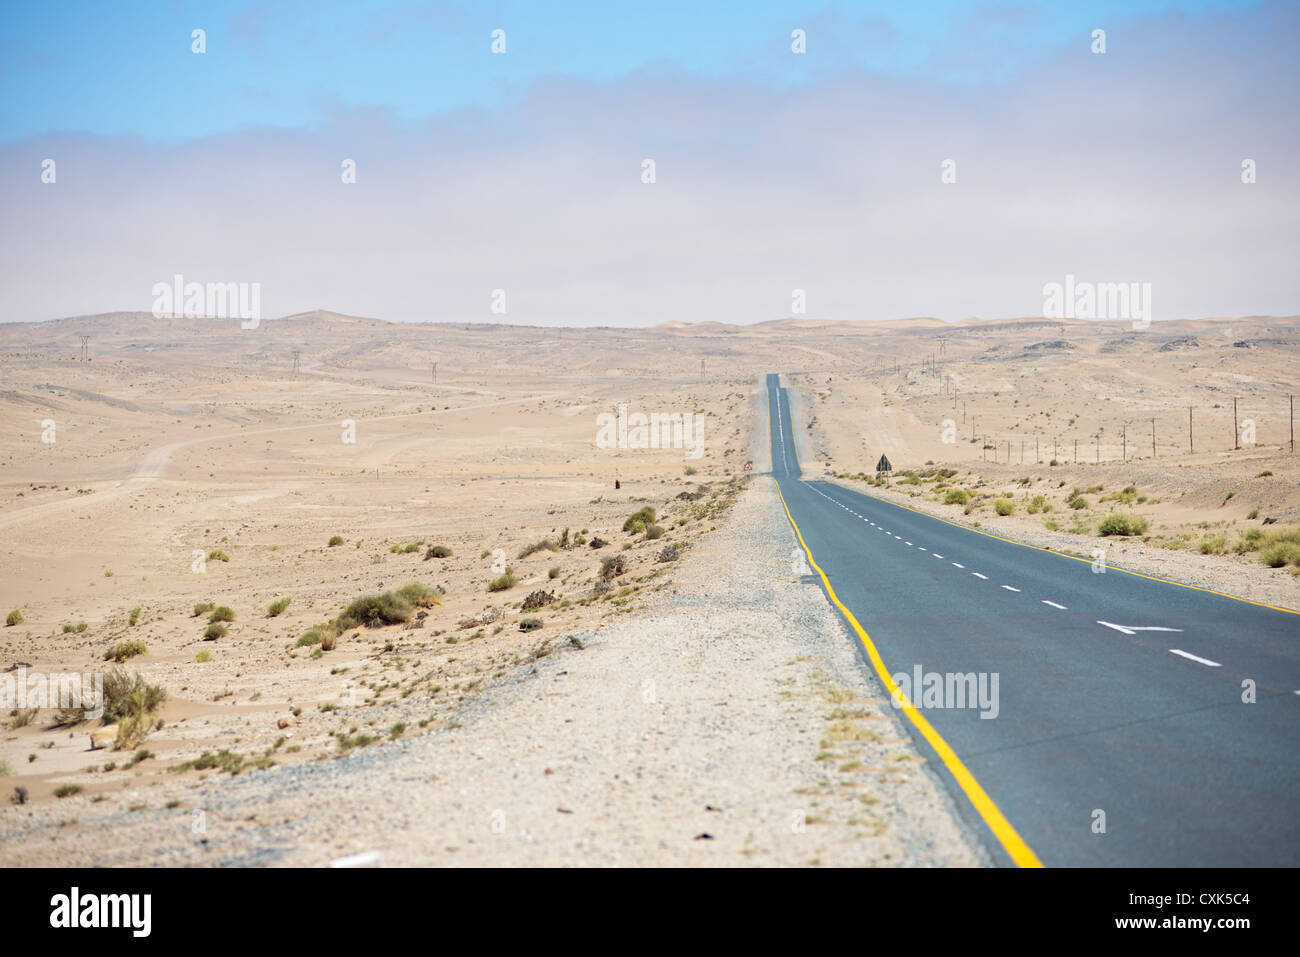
[103, 737]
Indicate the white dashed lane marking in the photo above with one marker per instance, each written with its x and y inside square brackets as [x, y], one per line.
[1196, 658]
[1127, 630]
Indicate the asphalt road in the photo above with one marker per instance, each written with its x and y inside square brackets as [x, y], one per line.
[1098, 720]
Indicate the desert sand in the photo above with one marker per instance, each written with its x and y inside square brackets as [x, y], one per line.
[184, 462]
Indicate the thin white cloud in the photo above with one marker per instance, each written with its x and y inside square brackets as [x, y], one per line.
[1123, 167]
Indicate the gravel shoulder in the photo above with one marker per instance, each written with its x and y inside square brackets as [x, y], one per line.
[727, 721]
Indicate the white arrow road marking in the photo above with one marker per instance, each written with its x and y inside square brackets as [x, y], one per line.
[1200, 661]
[937, 555]
[1009, 588]
[1134, 629]
[978, 575]
[958, 565]
[1055, 605]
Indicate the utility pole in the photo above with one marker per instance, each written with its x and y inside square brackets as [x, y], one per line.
[1076, 451]
[296, 354]
[1123, 432]
[435, 373]
[1236, 435]
[1022, 451]
[963, 414]
[1293, 424]
[1153, 438]
[85, 348]
[1191, 446]
[1008, 451]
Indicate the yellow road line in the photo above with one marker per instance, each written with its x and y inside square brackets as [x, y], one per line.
[1011, 841]
[1053, 551]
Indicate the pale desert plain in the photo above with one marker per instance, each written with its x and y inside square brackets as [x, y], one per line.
[677, 694]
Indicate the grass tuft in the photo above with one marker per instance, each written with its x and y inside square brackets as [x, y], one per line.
[545, 545]
[131, 702]
[1118, 524]
[124, 650]
[638, 520]
[503, 582]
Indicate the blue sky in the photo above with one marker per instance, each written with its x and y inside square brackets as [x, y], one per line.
[775, 172]
[127, 67]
